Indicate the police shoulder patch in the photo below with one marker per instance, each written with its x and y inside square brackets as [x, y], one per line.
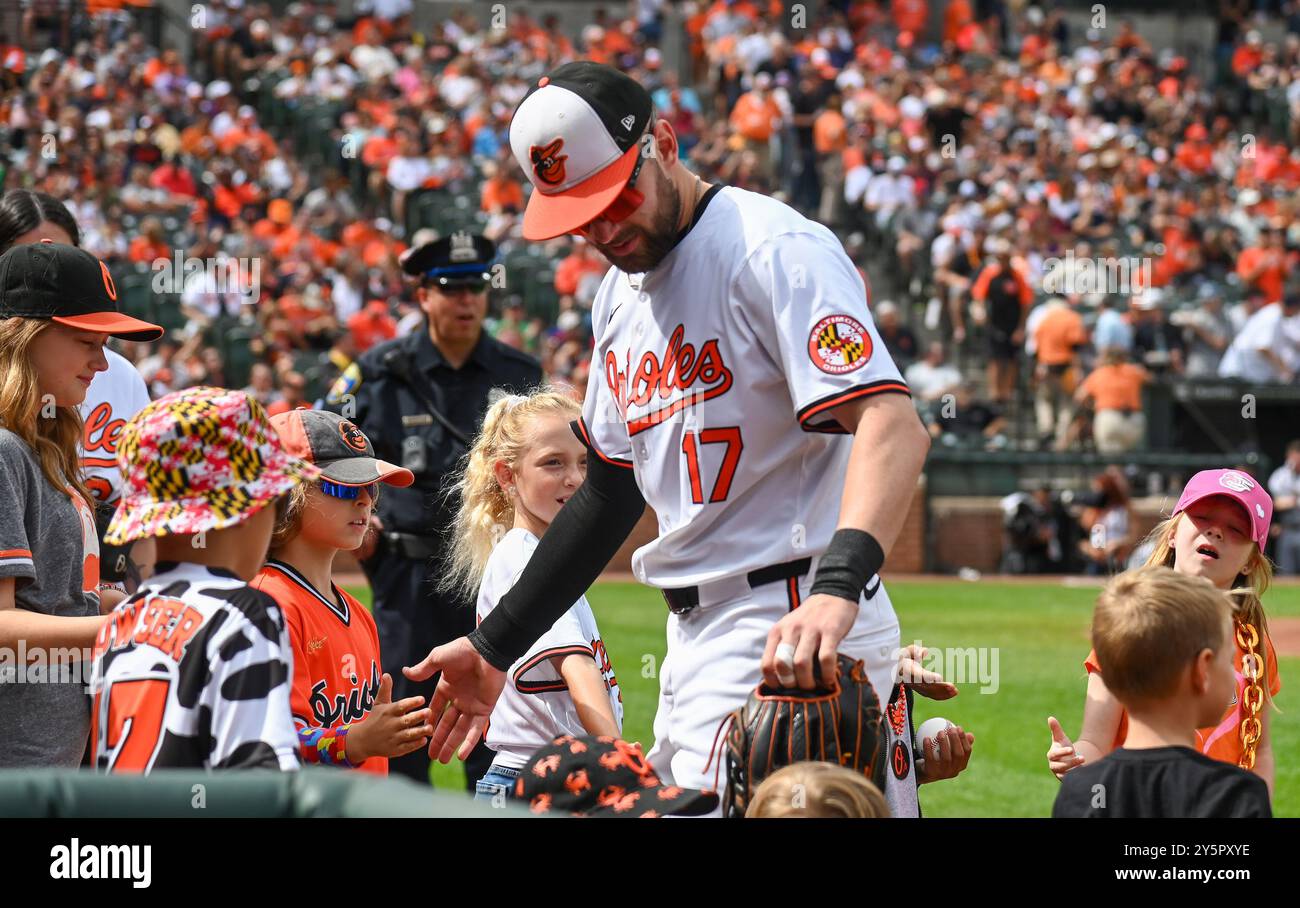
[839, 344]
[347, 383]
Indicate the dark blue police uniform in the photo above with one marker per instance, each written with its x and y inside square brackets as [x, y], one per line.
[422, 413]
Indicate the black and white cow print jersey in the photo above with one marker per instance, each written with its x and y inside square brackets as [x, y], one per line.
[193, 671]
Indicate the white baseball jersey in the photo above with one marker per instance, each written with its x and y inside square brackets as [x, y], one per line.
[114, 396]
[193, 671]
[713, 378]
[535, 706]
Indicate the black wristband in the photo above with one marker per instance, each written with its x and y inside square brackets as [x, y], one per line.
[850, 560]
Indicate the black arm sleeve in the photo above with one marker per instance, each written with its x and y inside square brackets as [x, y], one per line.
[577, 546]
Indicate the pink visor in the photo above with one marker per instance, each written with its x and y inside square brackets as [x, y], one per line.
[1236, 485]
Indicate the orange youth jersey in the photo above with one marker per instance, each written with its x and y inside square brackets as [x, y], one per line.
[336, 667]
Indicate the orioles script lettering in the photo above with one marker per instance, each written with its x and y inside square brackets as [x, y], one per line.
[679, 370]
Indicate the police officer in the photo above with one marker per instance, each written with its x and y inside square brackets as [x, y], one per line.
[421, 399]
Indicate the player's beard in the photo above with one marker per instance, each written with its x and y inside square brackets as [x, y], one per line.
[660, 237]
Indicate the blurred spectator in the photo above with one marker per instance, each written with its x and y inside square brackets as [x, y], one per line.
[1114, 392]
[1058, 336]
[755, 118]
[889, 192]
[1263, 267]
[1037, 533]
[372, 325]
[899, 339]
[963, 420]
[501, 193]
[150, 244]
[1108, 523]
[1003, 289]
[1158, 344]
[932, 377]
[1284, 486]
[261, 384]
[582, 265]
[1113, 329]
[294, 388]
[1207, 331]
[1267, 350]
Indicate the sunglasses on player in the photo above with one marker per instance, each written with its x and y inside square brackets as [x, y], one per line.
[348, 493]
[628, 200]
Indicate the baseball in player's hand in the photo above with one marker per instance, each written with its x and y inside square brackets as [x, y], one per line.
[463, 701]
[1061, 757]
[809, 635]
[946, 755]
[391, 729]
[920, 679]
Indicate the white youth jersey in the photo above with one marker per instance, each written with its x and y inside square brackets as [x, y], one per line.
[713, 378]
[114, 396]
[193, 672]
[535, 706]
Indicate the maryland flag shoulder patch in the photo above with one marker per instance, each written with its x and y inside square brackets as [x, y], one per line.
[344, 386]
[839, 344]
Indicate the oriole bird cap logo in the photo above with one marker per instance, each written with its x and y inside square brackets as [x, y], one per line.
[548, 163]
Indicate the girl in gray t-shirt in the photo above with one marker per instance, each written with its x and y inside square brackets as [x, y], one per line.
[49, 551]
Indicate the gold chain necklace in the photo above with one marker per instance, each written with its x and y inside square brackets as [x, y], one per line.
[1252, 669]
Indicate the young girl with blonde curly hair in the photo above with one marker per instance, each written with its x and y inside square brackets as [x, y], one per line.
[525, 464]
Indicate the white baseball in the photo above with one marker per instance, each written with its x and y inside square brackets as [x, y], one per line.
[930, 728]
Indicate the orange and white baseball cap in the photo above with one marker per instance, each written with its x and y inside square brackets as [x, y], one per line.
[575, 134]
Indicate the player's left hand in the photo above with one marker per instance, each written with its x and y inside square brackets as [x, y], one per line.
[463, 700]
[815, 630]
[946, 755]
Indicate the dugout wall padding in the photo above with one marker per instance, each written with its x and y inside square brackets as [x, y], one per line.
[315, 792]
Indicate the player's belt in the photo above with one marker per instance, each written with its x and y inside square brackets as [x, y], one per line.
[684, 599]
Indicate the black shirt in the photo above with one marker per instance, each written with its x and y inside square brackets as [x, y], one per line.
[1161, 782]
[378, 390]
[1156, 342]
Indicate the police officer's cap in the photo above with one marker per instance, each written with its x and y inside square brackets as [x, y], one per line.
[459, 259]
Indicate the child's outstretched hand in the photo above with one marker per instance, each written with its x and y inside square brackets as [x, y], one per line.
[1062, 757]
[391, 729]
[920, 679]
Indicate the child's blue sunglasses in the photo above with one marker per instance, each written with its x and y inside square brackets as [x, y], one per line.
[347, 493]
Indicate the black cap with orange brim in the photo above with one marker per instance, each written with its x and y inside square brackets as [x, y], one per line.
[67, 285]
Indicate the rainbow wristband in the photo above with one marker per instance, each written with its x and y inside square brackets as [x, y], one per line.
[326, 746]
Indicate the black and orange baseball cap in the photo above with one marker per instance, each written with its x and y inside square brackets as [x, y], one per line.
[67, 285]
[575, 135]
[342, 451]
[603, 776]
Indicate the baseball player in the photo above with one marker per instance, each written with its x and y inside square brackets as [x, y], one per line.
[114, 396]
[739, 387]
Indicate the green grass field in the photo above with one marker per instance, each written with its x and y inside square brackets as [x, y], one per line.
[1041, 636]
